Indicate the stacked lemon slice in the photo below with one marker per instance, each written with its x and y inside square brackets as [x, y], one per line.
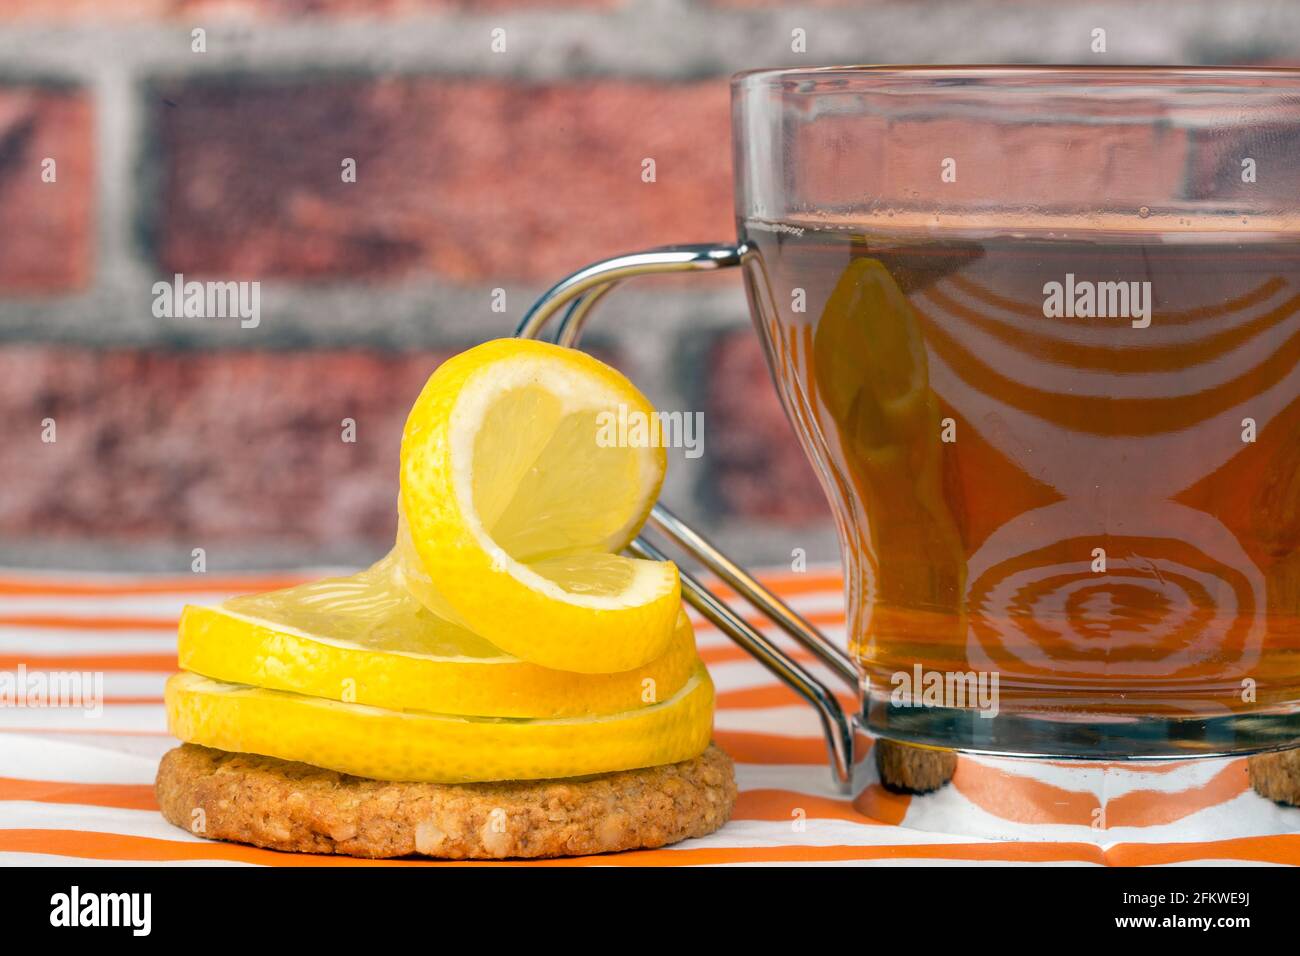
[504, 637]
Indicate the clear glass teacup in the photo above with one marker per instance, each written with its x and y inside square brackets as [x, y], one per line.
[1038, 329]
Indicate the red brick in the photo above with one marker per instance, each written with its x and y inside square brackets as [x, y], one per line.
[216, 10]
[768, 4]
[1021, 164]
[204, 447]
[1215, 169]
[65, 10]
[759, 470]
[471, 179]
[47, 228]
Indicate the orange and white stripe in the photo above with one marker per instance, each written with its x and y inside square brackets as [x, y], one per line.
[79, 789]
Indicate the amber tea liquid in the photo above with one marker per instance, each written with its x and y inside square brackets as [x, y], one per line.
[1073, 462]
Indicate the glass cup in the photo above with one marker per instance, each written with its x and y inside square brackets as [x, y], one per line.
[1038, 329]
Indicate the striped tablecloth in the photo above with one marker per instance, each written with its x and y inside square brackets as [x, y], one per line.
[76, 786]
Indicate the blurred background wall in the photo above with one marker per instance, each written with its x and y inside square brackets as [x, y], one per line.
[482, 175]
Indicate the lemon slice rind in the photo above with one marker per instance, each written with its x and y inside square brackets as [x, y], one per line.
[235, 647]
[392, 745]
[468, 573]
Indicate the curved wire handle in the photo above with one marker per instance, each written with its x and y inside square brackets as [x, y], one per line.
[580, 292]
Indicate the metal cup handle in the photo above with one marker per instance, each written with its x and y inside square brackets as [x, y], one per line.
[580, 292]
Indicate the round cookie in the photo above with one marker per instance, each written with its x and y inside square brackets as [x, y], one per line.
[282, 805]
[1276, 775]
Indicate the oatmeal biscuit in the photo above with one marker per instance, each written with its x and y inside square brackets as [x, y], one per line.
[282, 805]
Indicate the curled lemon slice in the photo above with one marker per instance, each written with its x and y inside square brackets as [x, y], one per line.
[520, 478]
[364, 639]
[432, 748]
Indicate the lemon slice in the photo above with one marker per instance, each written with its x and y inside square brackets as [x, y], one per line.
[364, 639]
[396, 745]
[524, 467]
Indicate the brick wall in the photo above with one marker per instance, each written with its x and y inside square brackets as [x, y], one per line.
[476, 171]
